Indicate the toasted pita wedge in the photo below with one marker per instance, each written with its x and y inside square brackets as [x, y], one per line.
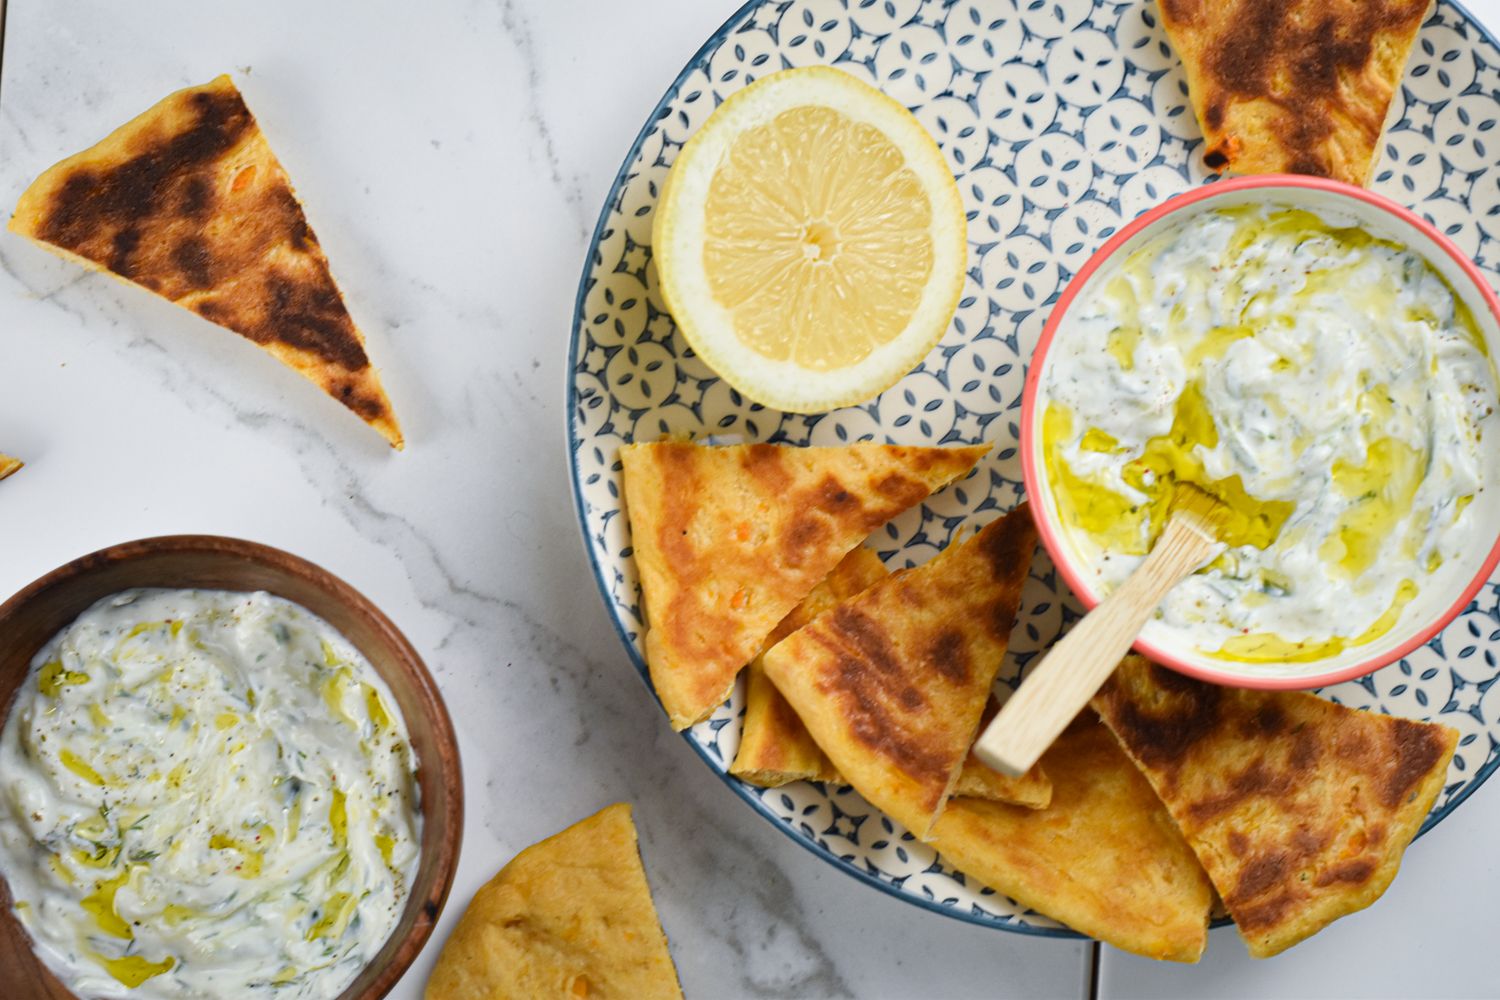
[776, 748]
[187, 200]
[1032, 790]
[9, 465]
[980, 781]
[782, 751]
[1299, 86]
[571, 916]
[729, 540]
[1299, 809]
[1103, 857]
[891, 683]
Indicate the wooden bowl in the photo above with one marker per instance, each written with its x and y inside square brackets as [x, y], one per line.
[36, 614]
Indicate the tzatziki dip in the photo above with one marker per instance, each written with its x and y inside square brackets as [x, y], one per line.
[1328, 386]
[206, 794]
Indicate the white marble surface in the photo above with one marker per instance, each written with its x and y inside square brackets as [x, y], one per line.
[453, 157]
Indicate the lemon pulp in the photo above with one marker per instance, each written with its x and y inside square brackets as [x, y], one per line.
[810, 241]
[817, 239]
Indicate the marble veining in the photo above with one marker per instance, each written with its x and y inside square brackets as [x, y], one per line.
[452, 157]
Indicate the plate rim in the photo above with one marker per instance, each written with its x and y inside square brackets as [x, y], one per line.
[740, 789]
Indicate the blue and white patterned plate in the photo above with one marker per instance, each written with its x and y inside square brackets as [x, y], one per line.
[1061, 121]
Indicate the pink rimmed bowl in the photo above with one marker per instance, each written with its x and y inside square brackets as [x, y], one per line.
[1445, 595]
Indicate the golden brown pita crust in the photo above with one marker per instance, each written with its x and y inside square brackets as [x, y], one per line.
[9, 465]
[776, 748]
[892, 683]
[1299, 809]
[570, 917]
[978, 780]
[188, 200]
[1103, 857]
[729, 540]
[1298, 86]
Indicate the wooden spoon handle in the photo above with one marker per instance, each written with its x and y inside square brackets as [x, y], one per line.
[1078, 664]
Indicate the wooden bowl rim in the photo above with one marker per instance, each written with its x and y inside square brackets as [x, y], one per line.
[451, 776]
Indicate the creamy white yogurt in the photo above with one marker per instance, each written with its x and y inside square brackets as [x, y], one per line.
[1329, 384]
[206, 794]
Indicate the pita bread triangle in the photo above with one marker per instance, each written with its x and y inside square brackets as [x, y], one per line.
[570, 916]
[776, 748]
[978, 780]
[892, 683]
[188, 201]
[1299, 809]
[1103, 857]
[1295, 86]
[728, 540]
[9, 465]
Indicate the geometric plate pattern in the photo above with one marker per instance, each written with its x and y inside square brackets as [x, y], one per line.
[1062, 122]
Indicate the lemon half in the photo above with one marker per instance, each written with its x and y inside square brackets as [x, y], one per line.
[810, 241]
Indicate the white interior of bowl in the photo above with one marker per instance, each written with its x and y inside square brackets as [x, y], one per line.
[1442, 589]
